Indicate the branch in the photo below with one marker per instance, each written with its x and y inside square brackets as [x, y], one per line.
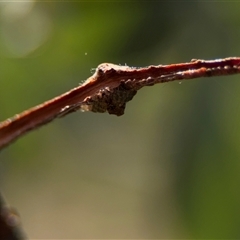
[108, 89]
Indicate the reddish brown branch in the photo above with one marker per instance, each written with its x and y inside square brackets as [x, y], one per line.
[110, 87]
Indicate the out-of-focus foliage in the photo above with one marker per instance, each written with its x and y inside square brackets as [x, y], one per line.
[168, 168]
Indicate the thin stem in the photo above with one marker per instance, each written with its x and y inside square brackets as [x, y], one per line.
[108, 89]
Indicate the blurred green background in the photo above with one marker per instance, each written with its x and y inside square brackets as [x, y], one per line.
[168, 168]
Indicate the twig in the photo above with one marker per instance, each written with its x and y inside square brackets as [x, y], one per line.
[108, 89]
